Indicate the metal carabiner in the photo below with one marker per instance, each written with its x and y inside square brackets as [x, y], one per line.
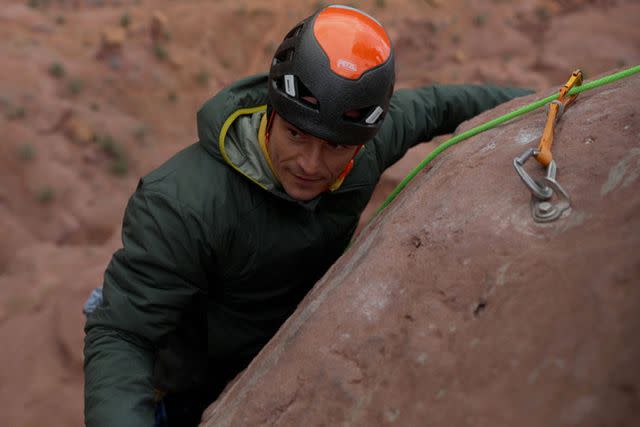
[542, 193]
[542, 209]
[545, 210]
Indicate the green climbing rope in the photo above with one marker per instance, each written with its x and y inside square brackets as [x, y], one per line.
[495, 122]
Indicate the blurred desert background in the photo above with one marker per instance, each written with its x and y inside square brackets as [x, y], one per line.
[96, 93]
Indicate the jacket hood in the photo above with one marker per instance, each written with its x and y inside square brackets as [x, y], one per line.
[245, 94]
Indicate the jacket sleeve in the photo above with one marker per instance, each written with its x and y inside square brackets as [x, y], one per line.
[418, 115]
[147, 285]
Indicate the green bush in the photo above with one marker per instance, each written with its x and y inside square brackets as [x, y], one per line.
[480, 20]
[119, 162]
[45, 195]
[202, 78]
[16, 113]
[160, 52]
[57, 70]
[27, 152]
[37, 3]
[76, 86]
[125, 20]
[119, 166]
[543, 13]
[108, 145]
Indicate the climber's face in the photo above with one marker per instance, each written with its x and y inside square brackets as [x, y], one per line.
[305, 165]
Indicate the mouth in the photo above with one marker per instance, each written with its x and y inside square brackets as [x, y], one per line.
[306, 178]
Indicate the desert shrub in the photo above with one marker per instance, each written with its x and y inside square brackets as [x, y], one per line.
[543, 13]
[16, 113]
[76, 85]
[107, 144]
[45, 195]
[125, 20]
[37, 3]
[119, 162]
[57, 70]
[202, 77]
[480, 20]
[119, 166]
[26, 152]
[160, 52]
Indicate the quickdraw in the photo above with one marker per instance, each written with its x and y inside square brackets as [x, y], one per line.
[542, 190]
[608, 79]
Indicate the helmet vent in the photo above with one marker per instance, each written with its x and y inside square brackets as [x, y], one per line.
[293, 87]
[283, 56]
[370, 115]
[294, 32]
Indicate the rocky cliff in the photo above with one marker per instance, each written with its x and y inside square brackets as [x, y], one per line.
[95, 94]
[455, 308]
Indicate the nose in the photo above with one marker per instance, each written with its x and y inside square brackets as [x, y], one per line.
[310, 159]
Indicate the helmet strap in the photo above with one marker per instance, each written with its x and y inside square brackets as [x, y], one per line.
[338, 182]
[268, 132]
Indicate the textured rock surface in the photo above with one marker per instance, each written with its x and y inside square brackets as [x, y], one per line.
[454, 308]
[61, 204]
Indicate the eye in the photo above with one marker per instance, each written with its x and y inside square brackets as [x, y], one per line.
[338, 147]
[293, 134]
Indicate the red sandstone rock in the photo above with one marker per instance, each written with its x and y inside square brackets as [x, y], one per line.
[158, 29]
[42, 283]
[111, 42]
[455, 308]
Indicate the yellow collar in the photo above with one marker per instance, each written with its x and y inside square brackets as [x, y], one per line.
[262, 139]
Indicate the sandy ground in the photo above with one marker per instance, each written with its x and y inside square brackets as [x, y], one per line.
[80, 124]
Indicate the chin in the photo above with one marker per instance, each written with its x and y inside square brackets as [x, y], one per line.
[303, 196]
[300, 194]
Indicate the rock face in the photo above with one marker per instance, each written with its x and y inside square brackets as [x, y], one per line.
[61, 205]
[455, 308]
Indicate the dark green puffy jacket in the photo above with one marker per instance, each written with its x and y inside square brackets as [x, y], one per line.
[213, 261]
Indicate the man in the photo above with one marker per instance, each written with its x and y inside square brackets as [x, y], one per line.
[223, 241]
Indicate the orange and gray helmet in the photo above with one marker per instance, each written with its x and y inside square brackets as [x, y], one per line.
[332, 76]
